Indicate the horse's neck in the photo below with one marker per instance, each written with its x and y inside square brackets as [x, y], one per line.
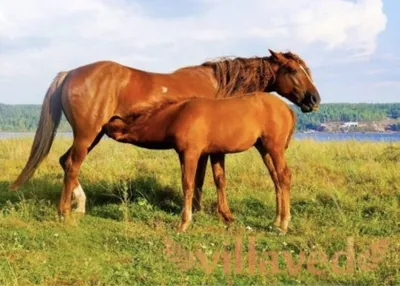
[199, 80]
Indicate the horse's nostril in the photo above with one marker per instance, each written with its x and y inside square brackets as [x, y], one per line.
[313, 99]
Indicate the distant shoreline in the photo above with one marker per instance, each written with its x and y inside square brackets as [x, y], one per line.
[320, 136]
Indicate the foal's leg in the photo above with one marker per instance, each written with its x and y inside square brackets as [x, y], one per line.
[200, 174]
[274, 176]
[189, 161]
[284, 178]
[218, 168]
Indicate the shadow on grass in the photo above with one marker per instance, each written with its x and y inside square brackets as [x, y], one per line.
[142, 190]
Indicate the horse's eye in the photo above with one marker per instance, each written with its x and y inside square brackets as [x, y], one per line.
[291, 70]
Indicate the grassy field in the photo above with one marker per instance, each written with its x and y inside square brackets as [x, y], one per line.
[344, 196]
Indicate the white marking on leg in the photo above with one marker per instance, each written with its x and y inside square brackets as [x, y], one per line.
[164, 89]
[80, 199]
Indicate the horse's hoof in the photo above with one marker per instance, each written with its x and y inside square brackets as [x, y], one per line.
[77, 215]
[196, 209]
[182, 228]
[78, 212]
[61, 218]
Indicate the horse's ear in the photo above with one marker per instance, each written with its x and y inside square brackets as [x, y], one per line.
[278, 57]
[273, 54]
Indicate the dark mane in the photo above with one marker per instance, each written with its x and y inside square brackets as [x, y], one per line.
[241, 75]
[245, 75]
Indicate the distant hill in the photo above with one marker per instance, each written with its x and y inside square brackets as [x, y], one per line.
[344, 112]
[21, 118]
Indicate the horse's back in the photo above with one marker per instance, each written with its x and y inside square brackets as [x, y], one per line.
[90, 94]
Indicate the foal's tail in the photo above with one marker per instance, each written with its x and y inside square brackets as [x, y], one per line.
[294, 118]
[49, 120]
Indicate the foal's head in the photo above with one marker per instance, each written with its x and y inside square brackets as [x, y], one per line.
[293, 81]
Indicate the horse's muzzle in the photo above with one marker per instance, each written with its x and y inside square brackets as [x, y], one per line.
[310, 103]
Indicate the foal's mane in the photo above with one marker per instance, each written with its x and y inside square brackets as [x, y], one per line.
[244, 75]
[149, 109]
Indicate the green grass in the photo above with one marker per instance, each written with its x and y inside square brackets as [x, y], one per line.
[339, 190]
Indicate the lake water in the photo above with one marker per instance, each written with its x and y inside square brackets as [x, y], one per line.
[355, 136]
[318, 136]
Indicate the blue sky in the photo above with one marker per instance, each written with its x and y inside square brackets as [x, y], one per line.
[352, 47]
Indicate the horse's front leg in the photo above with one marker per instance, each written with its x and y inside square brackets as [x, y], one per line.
[189, 161]
[218, 168]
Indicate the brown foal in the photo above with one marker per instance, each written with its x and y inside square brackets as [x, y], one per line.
[199, 127]
[92, 95]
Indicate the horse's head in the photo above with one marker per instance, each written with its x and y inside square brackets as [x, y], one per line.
[293, 81]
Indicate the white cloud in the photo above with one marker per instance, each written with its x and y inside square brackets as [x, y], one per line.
[343, 24]
[386, 83]
[39, 38]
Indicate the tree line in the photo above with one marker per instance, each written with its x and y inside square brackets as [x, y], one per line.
[24, 118]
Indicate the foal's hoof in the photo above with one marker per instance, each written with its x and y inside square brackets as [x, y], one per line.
[277, 229]
[280, 231]
[229, 219]
[62, 216]
[226, 217]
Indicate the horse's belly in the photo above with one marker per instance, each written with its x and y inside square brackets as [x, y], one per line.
[231, 144]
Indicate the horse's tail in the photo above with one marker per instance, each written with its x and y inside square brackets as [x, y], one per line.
[294, 118]
[49, 120]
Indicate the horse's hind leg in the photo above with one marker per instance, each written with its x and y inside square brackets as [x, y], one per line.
[71, 162]
[199, 182]
[218, 168]
[274, 176]
[78, 195]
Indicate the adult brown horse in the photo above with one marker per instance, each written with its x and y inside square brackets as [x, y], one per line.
[204, 126]
[90, 96]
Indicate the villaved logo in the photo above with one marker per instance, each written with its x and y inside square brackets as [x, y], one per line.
[316, 261]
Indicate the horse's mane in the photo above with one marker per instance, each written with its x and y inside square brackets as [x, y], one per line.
[241, 75]
[244, 75]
